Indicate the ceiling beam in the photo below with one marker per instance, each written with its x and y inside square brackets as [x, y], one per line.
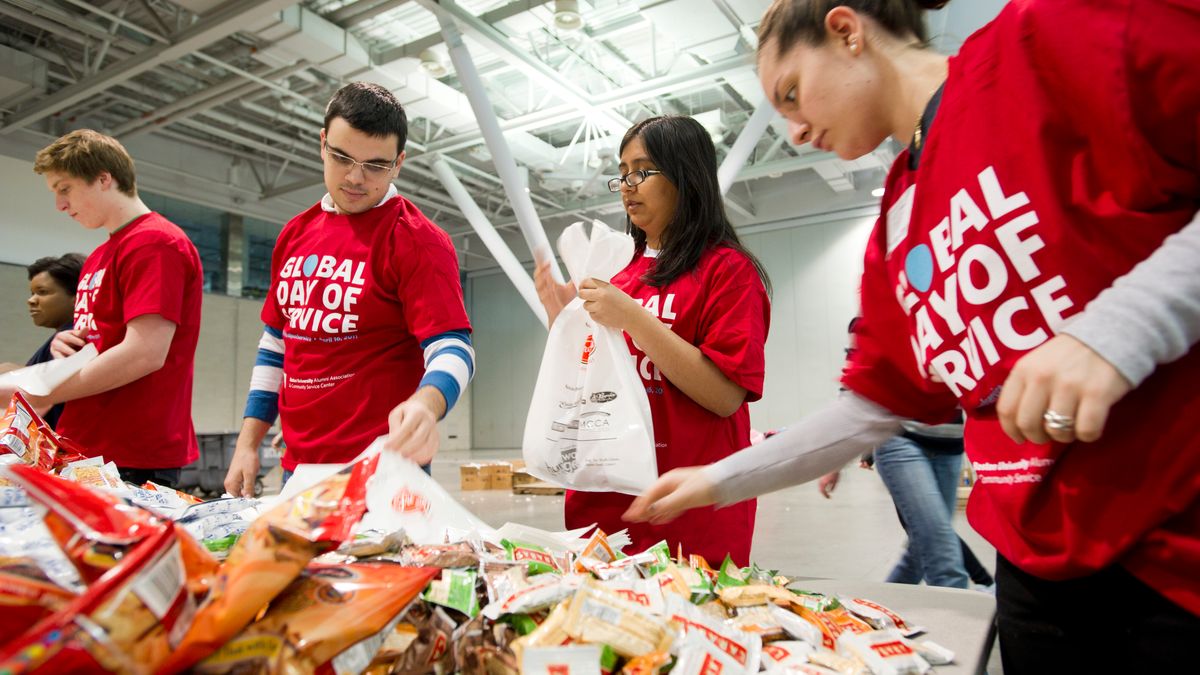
[215, 25]
[415, 47]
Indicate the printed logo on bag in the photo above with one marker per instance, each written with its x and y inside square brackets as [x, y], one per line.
[589, 348]
[439, 649]
[604, 396]
[558, 669]
[711, 666]
[594, 420]
[407, 501]
[891, 649]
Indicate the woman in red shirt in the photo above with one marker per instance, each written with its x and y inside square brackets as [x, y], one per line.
[694, 308]
[1035, 263]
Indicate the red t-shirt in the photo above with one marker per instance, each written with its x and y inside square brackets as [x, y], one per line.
[1057, 161]
[354, 296]
[720, 307]
[149, 266]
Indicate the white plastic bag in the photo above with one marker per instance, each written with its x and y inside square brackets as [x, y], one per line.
[589, 425]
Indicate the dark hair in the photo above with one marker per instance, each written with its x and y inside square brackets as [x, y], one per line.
[789, 21]
[64, 270]
[682, 149]
[85, 154]
[371, 109]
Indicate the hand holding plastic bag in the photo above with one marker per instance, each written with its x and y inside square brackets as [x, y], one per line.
[589, 425]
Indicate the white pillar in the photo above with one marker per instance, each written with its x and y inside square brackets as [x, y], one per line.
[495, 244]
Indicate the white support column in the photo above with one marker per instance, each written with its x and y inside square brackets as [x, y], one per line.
[495, 244]
[744, 146]
[502, 157]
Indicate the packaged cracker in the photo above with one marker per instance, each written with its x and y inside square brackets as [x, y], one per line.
[800, 669]
[798, 627]
[179, 494]
[479, 648]
[94, 473]
[572, 660]
[598, 549]
[540, 560]
[644, 593]
[837, 663]
[137, 604]
[932, 652]
[621, 568]
[551, 633]
[671, 580]
[730, 575]
[698, 656]
[786, 653]
[661, 553]
[597, 615]
[456, 590]
[742, 648]
[328, 610]
[24, 535]
[646, 664]
[757, 619]
[754, 594]
[440, 555]
[372, 543]
[817, 602]
[878, 616]
[502, 578]
[885, 652]
[271, 554]
[543, 591]
[833, 623]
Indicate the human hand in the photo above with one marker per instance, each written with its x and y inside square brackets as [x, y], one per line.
[67, 342]
[828, 484]
[243, 471]
[554, 296]
[608, 305]
[277, 443]
[412, 431]
[1065, 377]
[673, 493]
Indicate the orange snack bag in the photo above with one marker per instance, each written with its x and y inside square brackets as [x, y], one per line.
[321, 615]
[271, 554]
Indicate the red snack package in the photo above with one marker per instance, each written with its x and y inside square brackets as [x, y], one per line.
[25, 434]
[27, 595]
[323, 616]
[137, 605]
[271, 554]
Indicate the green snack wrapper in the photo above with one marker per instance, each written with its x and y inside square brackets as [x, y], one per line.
[730, 575]
[539, 559]
[456, 590]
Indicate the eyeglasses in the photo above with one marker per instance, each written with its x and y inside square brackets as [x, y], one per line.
[632, 179]
[370, 169]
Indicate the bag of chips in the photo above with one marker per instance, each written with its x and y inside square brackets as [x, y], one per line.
[271, 554]
[321, 615]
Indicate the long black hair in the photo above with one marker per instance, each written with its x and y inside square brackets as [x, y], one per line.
[682, 149]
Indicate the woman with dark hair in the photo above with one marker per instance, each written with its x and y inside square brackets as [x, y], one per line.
[693, 305]
[1034, 263]
[52, 283]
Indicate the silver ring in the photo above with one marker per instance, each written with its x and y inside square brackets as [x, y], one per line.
[1058, 421]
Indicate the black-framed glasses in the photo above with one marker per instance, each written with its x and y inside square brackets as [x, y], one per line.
[370, 169]
[632, 179]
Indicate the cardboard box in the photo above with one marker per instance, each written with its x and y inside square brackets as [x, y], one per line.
[522, 477]
[471, 477]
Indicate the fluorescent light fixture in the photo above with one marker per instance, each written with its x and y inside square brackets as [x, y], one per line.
[877, 192]
[566, 15]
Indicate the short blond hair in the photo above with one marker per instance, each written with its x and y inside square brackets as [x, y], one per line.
[86, 154]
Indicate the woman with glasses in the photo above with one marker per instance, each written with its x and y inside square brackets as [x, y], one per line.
[693, 305]
[1035, 262]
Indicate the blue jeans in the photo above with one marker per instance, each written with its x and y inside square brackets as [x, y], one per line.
[287, 475]
[923, 486]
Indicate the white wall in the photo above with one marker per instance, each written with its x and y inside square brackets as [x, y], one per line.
[30, 227]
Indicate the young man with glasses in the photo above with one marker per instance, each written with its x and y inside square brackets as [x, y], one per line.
[366, 332]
